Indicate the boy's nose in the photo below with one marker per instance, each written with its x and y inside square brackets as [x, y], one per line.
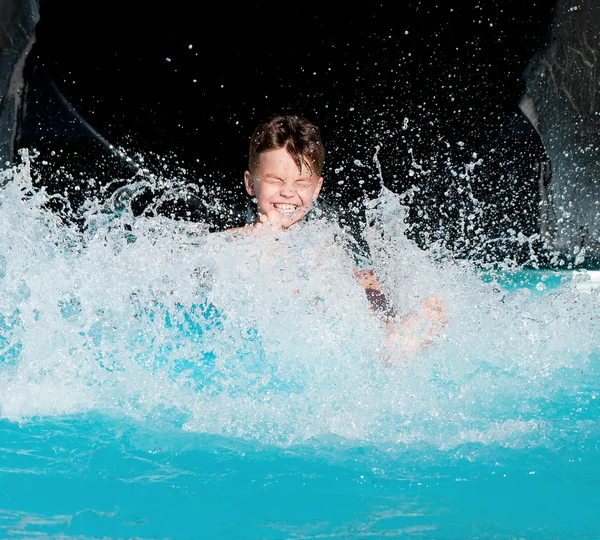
[286, 190]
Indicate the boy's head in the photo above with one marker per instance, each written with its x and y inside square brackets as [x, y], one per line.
[284, 168]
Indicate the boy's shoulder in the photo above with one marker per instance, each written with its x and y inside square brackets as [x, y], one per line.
[240, 230]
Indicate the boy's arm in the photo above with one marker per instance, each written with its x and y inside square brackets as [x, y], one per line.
[377, 299]
[409, 333]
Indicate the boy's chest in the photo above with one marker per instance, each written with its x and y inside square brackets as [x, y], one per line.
[278, 274]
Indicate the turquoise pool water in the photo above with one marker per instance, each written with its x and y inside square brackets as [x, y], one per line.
[91, 476]
[160, 382]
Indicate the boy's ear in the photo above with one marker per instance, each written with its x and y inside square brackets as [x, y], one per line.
[248, 183]
[318, 188]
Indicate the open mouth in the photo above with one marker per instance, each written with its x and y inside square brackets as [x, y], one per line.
[287, 210]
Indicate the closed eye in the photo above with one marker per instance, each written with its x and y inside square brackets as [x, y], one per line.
[303, 185]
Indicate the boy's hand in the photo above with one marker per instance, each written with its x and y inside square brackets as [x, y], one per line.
[271, 219]
[416, 330]
[433, 309]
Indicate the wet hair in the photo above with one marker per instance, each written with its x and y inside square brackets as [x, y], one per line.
[300, 138]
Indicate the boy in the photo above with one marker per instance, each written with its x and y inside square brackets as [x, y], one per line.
[285, 164]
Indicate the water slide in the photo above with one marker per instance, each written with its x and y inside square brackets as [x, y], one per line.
[17, 35]
[562, 102]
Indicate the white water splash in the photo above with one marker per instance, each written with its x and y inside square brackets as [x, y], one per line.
[268, 336]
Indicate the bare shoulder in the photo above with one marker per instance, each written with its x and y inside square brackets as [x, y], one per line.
[240, 230]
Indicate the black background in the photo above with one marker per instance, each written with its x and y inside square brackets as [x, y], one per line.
[189, 81]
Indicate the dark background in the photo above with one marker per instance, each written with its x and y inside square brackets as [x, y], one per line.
[183, 84]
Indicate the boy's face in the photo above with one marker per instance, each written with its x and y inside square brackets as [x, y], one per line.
[284, 193]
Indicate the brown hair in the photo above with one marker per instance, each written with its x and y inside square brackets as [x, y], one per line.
[298, 136]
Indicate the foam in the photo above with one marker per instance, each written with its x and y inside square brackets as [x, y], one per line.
[267, 335]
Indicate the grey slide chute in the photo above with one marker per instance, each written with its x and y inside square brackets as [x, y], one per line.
[18, 19]
[562, 101]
